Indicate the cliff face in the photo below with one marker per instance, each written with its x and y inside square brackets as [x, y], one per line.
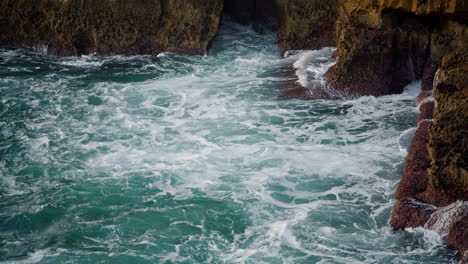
[381, 47]
[74, 27]
[385, 45]
[448, 146]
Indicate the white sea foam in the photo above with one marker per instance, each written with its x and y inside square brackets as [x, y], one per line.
[443, 218]
[33, 258]
[311, 66]
[83, 61]
[196, 159]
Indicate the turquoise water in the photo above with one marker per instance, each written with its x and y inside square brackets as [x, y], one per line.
[198, 159]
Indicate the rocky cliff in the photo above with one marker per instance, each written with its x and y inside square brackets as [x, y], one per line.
[384, 45]
[381, 47]
[74, 27]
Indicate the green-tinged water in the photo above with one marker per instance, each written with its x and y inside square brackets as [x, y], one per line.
[198, 159]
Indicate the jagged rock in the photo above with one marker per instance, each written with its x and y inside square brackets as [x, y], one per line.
[74, 27]
[415, 177]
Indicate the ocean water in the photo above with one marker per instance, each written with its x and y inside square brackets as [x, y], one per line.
[199, 159]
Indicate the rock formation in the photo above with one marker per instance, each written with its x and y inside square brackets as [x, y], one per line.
[106, 27]
[381, 47]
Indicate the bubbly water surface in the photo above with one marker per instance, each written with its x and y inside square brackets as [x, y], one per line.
[197, 159]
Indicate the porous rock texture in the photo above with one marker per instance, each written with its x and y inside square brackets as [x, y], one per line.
[449, 138]
[384, 45]
[106, 27]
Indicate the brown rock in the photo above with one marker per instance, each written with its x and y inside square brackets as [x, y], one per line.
[410, 213]
[107, 27]
[307, 24]
[385, 45]
[452, 222]
[415, 178]
[430, 69]
[449, 142]
[426, 113]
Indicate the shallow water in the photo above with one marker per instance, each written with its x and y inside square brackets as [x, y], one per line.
[198, 159]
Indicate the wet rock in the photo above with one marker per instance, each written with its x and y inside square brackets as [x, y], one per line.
[410, 213]
[415, 177]
[452, 222]
[378, 52]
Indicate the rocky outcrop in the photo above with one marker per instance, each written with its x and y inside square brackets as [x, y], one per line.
[435, 171]
[384, 45]
[449, 138]
[394, 48]
[74, 27]
[381, 47]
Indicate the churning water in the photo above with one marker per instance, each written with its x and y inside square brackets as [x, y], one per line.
[198, 159]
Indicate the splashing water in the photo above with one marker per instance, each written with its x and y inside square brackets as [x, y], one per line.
[196, 159]
[443, 218]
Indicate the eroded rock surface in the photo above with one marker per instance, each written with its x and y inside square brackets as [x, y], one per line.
[74, 27]
[385, 45]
